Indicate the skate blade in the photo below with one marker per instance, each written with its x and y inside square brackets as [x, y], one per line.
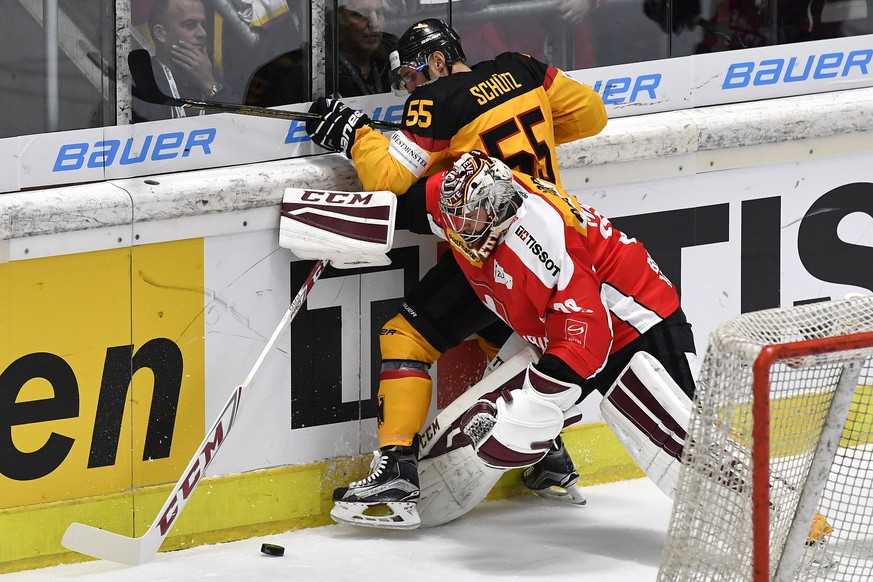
[572, 495]
[397, 515]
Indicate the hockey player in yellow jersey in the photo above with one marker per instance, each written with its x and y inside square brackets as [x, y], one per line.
[514, 108]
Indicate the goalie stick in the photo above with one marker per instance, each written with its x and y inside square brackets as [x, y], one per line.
[114, 547]
[140, 63]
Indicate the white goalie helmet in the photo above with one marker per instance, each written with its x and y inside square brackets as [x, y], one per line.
[478, 197]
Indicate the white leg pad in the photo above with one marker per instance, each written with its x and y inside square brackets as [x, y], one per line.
[453, 478]
[649, 414]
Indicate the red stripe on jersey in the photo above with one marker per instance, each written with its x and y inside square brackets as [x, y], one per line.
[551, 73]
[401, 374]
[429, 144]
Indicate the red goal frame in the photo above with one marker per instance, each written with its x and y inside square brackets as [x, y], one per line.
[761, 432]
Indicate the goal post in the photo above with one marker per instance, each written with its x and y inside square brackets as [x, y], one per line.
[777, 476]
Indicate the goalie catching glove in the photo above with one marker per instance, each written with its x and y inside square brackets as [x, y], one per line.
[337, 128]
[513, 427]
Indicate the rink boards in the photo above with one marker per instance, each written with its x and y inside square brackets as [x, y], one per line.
[130, 309]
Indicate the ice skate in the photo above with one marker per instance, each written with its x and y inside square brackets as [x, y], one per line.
[555, 476]
[387, 497]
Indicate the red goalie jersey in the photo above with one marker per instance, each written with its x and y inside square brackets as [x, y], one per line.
[564, 278]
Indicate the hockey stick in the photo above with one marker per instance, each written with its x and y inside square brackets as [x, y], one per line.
[140, 63]
[106, 545]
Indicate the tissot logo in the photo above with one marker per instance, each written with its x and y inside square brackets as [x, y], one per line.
[536, 248]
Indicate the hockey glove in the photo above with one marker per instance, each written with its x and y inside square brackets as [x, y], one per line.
[336, 131]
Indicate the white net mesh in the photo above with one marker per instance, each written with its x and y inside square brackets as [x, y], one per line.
[711, 529]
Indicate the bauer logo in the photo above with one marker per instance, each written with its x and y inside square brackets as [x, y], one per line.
[628, 89]
[134, 150]
[841, 64]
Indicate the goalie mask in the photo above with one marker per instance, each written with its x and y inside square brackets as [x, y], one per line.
[478, 200]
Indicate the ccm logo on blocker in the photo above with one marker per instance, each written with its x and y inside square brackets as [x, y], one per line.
[104, 153]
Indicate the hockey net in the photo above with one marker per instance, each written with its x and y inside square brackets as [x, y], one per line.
[777, 476]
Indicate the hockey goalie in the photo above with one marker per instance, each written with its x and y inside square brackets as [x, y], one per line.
[591, 312]
[587, 296]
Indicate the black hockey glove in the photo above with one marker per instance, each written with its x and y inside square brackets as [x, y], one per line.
[336, 131]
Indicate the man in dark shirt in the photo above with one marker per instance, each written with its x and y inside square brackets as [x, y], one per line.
[181, 63]
[363, 49]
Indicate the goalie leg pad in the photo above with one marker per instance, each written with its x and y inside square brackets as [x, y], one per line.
[453, 478]
[649, 414]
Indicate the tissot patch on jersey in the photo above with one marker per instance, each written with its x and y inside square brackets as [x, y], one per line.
[537, 249]
[410, 155]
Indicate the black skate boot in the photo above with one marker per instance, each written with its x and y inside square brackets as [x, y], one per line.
[555, 477]
[387, 497]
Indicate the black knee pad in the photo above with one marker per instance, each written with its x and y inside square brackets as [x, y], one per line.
[443, 307]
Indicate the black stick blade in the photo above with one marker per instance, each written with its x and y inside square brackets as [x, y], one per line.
[145, 85]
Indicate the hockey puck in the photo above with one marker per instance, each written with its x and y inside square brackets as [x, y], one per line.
[272, 550]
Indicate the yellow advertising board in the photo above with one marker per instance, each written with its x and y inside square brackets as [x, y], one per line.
[101, 371]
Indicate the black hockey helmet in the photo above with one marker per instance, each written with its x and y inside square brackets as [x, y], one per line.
[421, 40]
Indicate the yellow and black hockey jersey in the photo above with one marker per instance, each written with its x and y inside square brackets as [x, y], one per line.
[512, 107]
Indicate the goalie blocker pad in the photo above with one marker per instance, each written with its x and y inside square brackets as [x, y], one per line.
[349, 229]
[649, 414]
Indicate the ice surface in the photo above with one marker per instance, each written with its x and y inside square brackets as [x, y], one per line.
[617, 537]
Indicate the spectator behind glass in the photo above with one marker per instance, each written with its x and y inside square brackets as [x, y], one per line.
[255, 32]
[557, 33]
[181, 62]
[748, 23]
[362, 59]
[362, 66]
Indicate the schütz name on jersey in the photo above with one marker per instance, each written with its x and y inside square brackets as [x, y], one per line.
[536, 248]
[495, 86]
